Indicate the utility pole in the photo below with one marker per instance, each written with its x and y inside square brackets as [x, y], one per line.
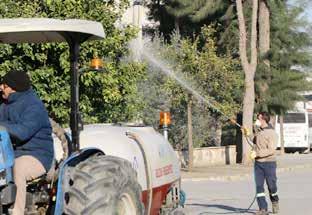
[190, 133]
[137, 21]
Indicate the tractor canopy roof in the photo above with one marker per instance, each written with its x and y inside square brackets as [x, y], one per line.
[43, 30]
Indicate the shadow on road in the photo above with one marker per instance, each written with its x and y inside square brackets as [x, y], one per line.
[230, 209]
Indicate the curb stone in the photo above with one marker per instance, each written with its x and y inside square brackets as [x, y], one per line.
[246, 175]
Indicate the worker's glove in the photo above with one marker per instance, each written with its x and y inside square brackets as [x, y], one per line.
[245, 131]
[253, 154]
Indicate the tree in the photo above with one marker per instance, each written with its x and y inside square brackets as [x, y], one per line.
[198, 10]
[264, 30]
[215, 77]
[264, 42]
[109, 97]
[248, 67]
[284, 90]
[188, 17]
[288, 57]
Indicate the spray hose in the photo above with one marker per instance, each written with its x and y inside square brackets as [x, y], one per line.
[247, 136]
[147, 167]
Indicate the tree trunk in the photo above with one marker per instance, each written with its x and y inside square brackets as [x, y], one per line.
[238, 140]
[264, 30]
[249, 69]
[248, 110]
[218, 133]
[273, 120]
[190, 134]
[281, 119]
[177, 25]
[264, 43]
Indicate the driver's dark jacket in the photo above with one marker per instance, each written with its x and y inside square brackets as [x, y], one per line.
[26, 119]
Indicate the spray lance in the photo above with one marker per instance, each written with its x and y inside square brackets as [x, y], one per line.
[147, 54]
[243, 129]
[165, 69]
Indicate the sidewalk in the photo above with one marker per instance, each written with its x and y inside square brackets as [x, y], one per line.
[287, 162]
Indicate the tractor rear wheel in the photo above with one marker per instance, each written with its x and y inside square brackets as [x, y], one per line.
[103, 185]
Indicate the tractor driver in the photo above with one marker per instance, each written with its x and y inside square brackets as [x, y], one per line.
[26, 119]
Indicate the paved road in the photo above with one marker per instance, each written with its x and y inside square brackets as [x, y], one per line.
[233, 197]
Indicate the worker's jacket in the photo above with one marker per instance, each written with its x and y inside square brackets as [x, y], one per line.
[265, 144]
[27, 121]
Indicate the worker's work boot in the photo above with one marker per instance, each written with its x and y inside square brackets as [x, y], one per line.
[262, 212]
[275, 207]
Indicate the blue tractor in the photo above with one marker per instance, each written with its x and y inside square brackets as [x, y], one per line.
[136, 173]
[7, 186]
[41, 193]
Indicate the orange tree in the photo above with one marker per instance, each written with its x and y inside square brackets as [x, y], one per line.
[108, 97]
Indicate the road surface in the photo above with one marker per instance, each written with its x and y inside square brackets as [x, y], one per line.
[233, 197]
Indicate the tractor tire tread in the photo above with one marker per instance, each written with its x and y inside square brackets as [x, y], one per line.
[96, 184]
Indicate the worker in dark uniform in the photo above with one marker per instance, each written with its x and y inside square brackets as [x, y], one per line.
[26, 119]
[265, 163]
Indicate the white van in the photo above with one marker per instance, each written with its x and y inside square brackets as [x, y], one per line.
[310, 128]
[296, 131]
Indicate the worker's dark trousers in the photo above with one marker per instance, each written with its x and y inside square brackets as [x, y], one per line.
[265, 171]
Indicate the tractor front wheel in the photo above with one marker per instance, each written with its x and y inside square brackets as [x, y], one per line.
[103, 185]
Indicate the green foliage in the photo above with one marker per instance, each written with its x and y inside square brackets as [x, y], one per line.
[284, 90]
[108, 97]
[189, 16]
[198, 10]
[217, 78]
[289, 58]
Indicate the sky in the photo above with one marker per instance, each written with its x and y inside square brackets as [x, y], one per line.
[309, 11]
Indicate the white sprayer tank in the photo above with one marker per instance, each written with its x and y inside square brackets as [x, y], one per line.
[112, 140]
